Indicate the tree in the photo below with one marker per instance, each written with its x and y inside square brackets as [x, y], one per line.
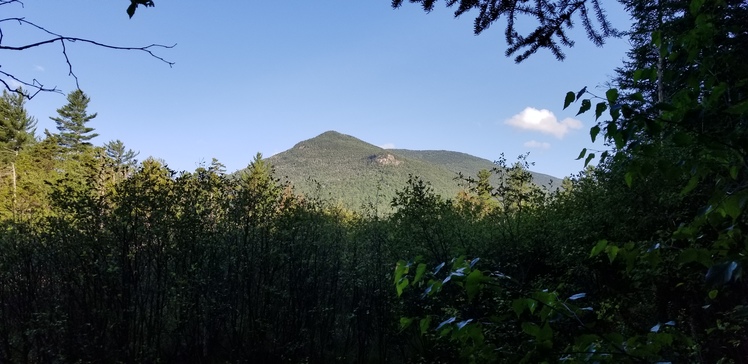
[74, 134]
[115, 149]
[484, 187]
[17, 130]
[659, 16]
[123, 159]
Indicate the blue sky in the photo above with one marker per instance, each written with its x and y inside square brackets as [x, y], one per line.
[260, 76]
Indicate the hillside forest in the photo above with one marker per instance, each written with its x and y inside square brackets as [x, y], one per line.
[639, 258]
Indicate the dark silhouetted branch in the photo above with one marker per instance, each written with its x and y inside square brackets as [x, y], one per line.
[33, 87]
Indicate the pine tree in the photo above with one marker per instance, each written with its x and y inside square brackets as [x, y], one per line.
[74, 134]
[484, 187]
[122, 159]
[17, 130]
[663, 18]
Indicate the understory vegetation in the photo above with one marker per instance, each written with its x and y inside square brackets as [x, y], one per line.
[637, 259]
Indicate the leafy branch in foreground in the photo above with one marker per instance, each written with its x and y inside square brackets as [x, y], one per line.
[33, 87]
[554, 328]
[554, 19]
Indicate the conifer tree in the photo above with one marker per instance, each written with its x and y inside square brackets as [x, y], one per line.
[123, 159]
[115, 149]
[71, 122]
[17, 130]
[484, 187]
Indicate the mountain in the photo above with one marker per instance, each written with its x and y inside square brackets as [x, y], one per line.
[466, 164]
[339, 167]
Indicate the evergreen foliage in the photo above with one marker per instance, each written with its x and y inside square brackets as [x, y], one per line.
[115, 150]
[17, 128]
[71, 123]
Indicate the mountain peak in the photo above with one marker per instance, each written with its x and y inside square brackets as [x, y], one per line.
[333, 140]
[330, 133]
[355, 172]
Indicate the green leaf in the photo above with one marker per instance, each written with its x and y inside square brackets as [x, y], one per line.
[401, 285]
[734, 172]
[424, 324]
[401, 268]
[589, 158]
[476, 333]
[733, 205]
[420, 270]
[405, 322]
[545, 333]
[599, 247]
[612, 253]
[692, 183]
[472, 283]
[612, 96]
[629, 178]
[593, 132]
[698, 255]
[599, 110]
[519, 306]
[547, 298]
[582, 153]
[569, 99]
[586, 105]
[713, 293]
[531, 329]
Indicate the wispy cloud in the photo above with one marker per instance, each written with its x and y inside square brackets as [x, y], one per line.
[537, 145]
[387, 146]
[39, 68]
[543, 121]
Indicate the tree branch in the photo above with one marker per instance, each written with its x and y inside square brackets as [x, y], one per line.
[33, 87]
[553, 17]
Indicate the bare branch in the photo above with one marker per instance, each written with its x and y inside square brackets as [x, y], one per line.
[35, 85]
[5, 2]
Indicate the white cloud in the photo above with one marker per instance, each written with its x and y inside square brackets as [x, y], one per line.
[387, 146]
[543, 121]
[39, 68]
[537, 144]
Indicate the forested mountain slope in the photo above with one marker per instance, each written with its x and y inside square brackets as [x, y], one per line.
[344, 169]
